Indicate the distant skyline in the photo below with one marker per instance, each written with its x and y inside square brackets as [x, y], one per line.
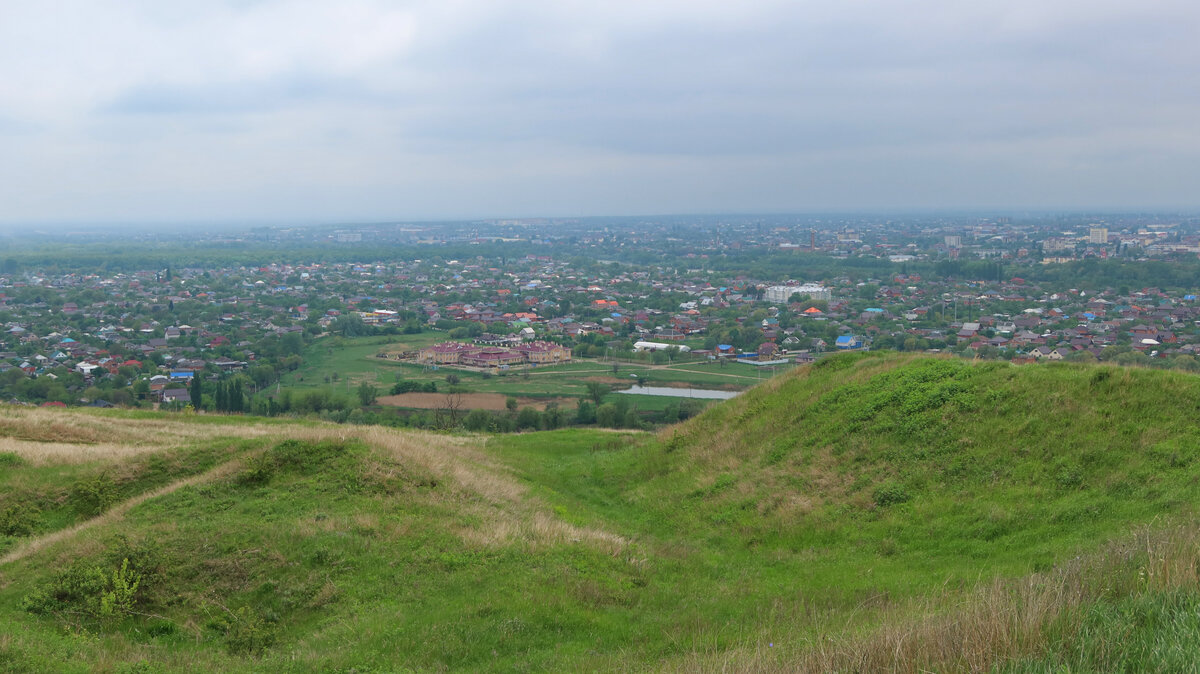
[261, 111]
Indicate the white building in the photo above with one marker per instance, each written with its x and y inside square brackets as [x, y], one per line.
[810, 290]
[659, 346]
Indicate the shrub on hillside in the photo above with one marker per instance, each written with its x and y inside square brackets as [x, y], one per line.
[18, 519]
[88, 590]
[891, 493]
[259, 470]
[246, 632]
[92, 496]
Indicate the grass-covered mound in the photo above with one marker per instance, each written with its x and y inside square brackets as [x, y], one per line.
[328, 548]
[942, 458]
[831, 498]
[870, 512]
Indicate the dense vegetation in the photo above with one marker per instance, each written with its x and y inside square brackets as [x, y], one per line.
[872, 511]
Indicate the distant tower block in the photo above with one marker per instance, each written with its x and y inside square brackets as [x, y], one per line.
[1098, 235]
[954, 241]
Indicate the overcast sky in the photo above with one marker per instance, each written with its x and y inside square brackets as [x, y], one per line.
[149, 111]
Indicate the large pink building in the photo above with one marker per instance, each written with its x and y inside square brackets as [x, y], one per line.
[472, 355]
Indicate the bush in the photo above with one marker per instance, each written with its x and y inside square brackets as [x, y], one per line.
[89, 590]
[70, 589]
[18, 519]
[1069, 477]
[247, 633]
[258, 470]
[891, 493]
[92, 496]
[413, 387]
[120, 593]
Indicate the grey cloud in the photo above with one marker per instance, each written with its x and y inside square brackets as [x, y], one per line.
[242, 96]
[492, 107]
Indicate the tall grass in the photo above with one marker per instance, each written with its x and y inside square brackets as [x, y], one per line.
[1038, 618]
[48, 436]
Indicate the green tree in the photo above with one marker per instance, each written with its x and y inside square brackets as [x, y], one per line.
[553, 417]
[367, 394]
[262, 375]
[528, 418]
[607, 415]
[350, 325]
[1133, 358]
[477, 420]
[585, 413]
[197, 392]
[236, 397]
[597, 390]
[291, 344]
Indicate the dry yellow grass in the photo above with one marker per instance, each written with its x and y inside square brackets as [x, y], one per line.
[489, 493]
[968, 631]
[43, 436]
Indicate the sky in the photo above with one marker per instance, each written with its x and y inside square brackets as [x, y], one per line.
[144, 111]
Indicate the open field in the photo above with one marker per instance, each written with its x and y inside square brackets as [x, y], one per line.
[341, 369]
[871, 513]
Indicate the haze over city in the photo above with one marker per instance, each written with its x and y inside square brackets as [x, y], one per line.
[144, 112]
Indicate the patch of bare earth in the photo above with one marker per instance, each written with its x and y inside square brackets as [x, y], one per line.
[467, 401]
[608, 380]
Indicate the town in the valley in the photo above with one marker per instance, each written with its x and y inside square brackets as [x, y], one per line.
[590, 307]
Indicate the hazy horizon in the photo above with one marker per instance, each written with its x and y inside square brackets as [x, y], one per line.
[264, 112]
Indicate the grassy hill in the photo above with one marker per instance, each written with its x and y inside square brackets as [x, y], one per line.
[871, 512]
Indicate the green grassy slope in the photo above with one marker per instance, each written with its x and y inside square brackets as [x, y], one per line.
[859, 506]
[944, 459]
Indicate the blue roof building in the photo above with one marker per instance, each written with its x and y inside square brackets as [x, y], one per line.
[847, 342]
